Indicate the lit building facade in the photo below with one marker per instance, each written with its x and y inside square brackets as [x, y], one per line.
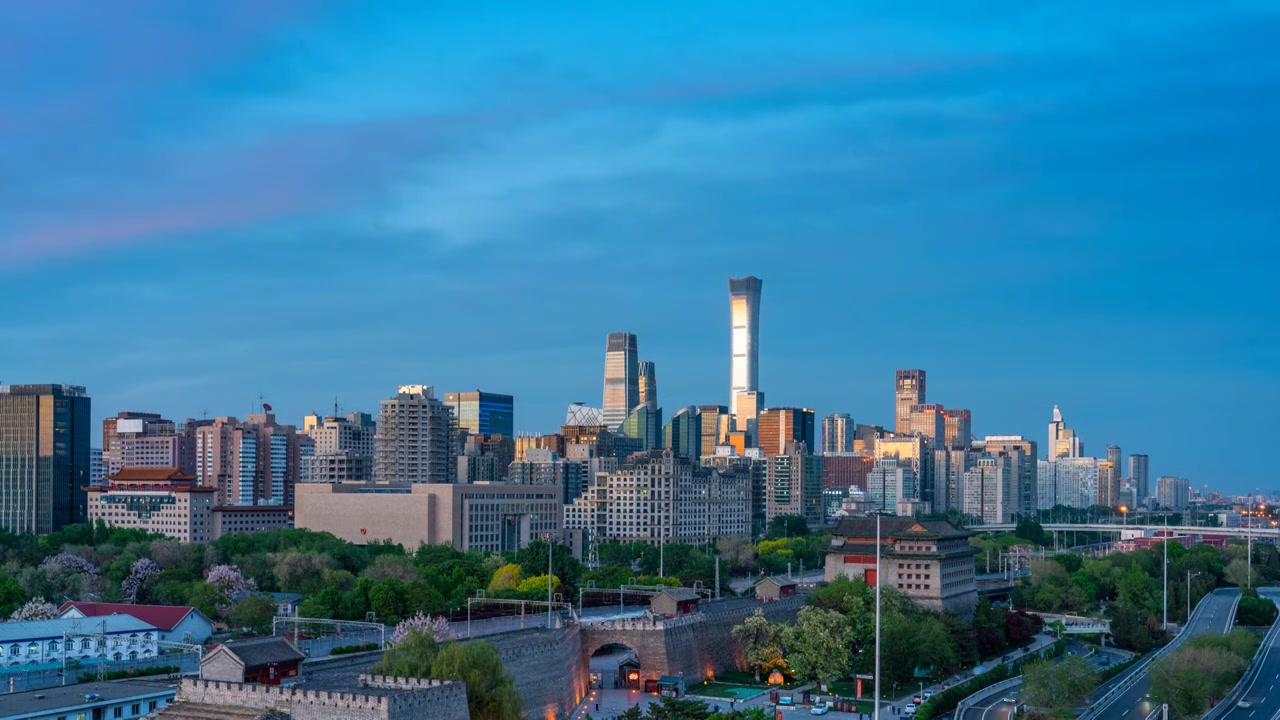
[780, 427]
[1077, 481]
[713, 427]
[909, 389]
[928, 421]
[749, 405]
[1115, 457]
[1063, 441]
[958, 428]
[1108, 484]
[483, 413]
[413, 442]
[1022, 452]
[744, 319]
[837, 433]
[621, 378]
[846, 470]
[44, 457]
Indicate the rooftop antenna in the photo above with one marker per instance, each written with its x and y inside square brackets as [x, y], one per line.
[335, 406]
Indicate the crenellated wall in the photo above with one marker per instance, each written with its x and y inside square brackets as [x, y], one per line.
[421, 698]
[550, 671]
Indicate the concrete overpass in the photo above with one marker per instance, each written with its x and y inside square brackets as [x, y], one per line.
[1259, 534]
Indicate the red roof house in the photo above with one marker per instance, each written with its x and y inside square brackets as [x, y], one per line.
[177, 623]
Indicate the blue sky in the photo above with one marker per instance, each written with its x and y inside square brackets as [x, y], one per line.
[1037, 202]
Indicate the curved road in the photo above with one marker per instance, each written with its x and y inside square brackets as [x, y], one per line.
[1216, 614]
[1263, 691]
[995, 708]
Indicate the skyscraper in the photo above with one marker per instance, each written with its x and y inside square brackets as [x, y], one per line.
[958, 428]
[1139, 473]
[779, 427]
[1046, 484]
[837, 433]
[135, 439]
[343, 448]
[889, 481]
[793, 484]
[1076, 481]
[1108, 483]
[929, 421]
[744, 315]
[990, 489]
[713, 427]
[648, 384]
[44, 457]
[255, 462]
[413, 442]
[1173, 492]
[621, 378]
[750, 404]
[1114, 456]
[1023, 453]
[683, 434]
[483, 413]
[909, 389]
[1062, 440]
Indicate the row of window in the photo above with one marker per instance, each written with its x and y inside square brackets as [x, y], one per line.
[85, 644]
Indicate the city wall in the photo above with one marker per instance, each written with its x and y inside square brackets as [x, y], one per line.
[420, 698]
[549, 669]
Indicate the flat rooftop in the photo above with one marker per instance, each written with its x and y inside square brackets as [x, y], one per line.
[38, 702]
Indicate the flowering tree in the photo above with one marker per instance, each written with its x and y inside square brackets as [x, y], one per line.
[72, 563]
[229, 580]
[436, 628]
[143, 570]
[35, 609]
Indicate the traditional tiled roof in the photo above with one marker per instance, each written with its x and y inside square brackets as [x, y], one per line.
[680, 594]
[891, 527]
[779, 581]
[141, 474]
[265, 651]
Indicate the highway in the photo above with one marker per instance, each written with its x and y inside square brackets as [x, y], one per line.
[1263, 691]
[995, 708]
[1215, 615]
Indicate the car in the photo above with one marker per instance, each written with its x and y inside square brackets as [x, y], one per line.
[1245, 704]
[928, 694]
[820, 709]
[909, 710]
[917, 700]
[1009, 699]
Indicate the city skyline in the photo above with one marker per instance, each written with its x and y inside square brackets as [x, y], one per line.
[266, 206]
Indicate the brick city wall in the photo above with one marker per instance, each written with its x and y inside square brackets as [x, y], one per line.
[425, 698]
[550, 671]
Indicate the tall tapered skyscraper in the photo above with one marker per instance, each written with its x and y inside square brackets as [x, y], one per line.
[908, 390]
[621, 378]
[648, 388]
[744, 314]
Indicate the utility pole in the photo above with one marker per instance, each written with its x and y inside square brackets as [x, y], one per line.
[1166, 573]
[877, 706]
[717, 577]
[550, 577]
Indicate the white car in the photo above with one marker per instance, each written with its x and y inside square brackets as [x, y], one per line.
[1009, 699]
[1245, 704]
[910, 709]
[820, 709]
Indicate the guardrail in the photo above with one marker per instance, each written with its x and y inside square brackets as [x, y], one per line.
[1139, 669]
[1250, 673]
[963, 706]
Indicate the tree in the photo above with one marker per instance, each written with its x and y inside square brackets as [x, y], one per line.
[399, 567]
[411, 656]
[787, 526]
[436, 627]
[538, 584]
[759, 644]
[1237, 572]
[935, 648]
[1255, 612]
[254, 612]
[669, 708]
[35, 609]
[532, 559]
[301, 572]
[73, 563]
[12, 596]
[141, 572]
[491, 693]
[1195, 675]
[737, 552]
[1057, 686]
[506, 577]
[818, 645]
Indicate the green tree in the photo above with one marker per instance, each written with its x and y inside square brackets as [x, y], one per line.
[818, 645]
[669, 708]
[1057, 686]
[253, 612]
[532, 559]
[759, 644]
[787, 526]
[12, 596]
[491, 693]
[387, 600]
[411, 657]
[935, 648]
[506, 577]
[1255, 612]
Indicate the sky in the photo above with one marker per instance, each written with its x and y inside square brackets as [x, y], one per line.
[1036, 202]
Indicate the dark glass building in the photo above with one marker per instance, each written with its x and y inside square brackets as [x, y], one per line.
[483, 413]
[44, 456]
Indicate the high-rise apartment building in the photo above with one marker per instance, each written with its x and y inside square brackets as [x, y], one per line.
[544, 467]
[1077, 481]
[837, 433]
[713, 427]
[909, 389]
[744, 319]
[780, 427]
[255, 462]
[483, 413]
[1173, 492]
[793, 484]
[343, 448]
[1046, 484]
[930, 421]
[1108, 484]
[1114, 456]
[661, 496]
[413, 441]
[44, 456]
[991, 489]
[141, 440]
[97, 467]
[683, 433]
[950, 467]
[1063, 441]
[890, 481]
[1022, 452]
[958, 428]
[621, 378]
[1139, 474]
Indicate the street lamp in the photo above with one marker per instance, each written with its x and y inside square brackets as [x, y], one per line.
[1166, 573]
[878, 581]
[1189, 576]
[1124, 515]
[548, 537]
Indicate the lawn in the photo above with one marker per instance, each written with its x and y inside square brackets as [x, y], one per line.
[742, 678]
[726, 690]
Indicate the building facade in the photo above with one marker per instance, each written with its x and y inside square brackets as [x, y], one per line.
[41, 642]
[683, 433]
[414, 442]
[544, 467]
[890, 481]
[845, 470]
[837, 433]
[1115, 457]
[160, 500]
[930, 561]
[1140, 475]
[1108, 483]
[44, 456]
[793, 485]
[254, 462]
[1022, 454]
[1063, 441]
[929, 421]
[779, 427]
[621, 378]
[1077, 481]
[140, 439]
[714, 424]
[483, 413]
[991, 489]
[343, 448]
[1173, 493]
[744, 328]
[909, 389]
[1046, 484]
[500, 517]
[957, 427]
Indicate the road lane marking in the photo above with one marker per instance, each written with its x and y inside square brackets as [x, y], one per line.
[1126, 712]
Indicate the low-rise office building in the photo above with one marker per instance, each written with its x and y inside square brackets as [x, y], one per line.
[119, 700]
[46, 642]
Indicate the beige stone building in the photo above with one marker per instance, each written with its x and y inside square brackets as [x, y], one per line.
[163, 500]
[497, 517]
